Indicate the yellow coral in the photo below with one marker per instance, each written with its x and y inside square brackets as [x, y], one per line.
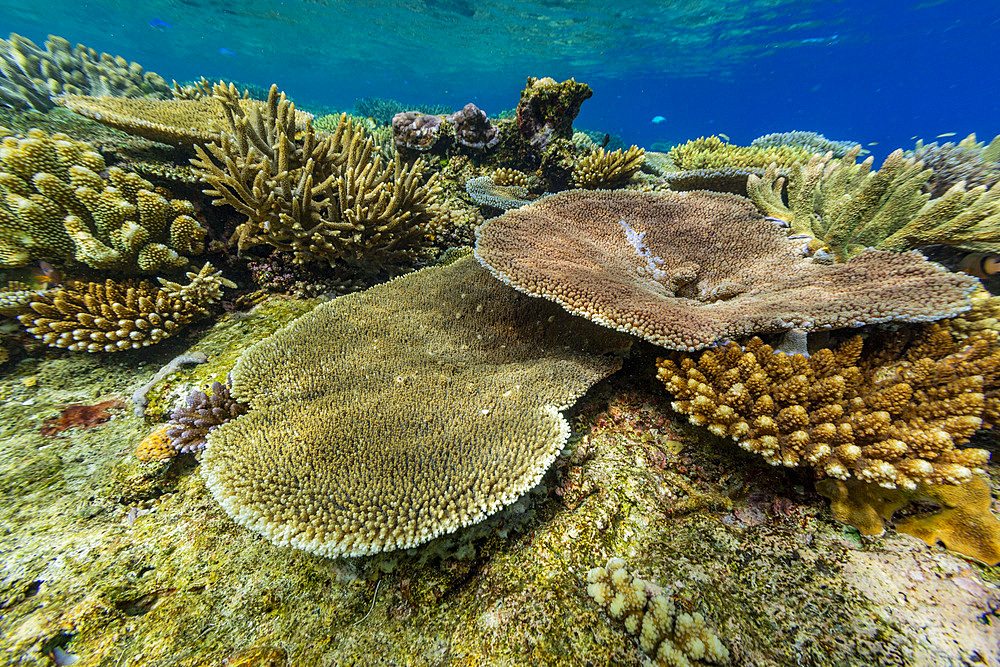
[603, 169]
[714, 153]
[156, 446]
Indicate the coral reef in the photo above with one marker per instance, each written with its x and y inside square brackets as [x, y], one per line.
[505, 176]
[724, 179]
[416, 131]
[485, 190]
[684, 270]
[547, 109]
[890, 410]
[473, 128]
[81, 416]
[201, 413]
[674, 638]
[967, 162]
[30, 77]
[382, 110]
[323, 199]
[59, 207]
[811, 142]
[714, 153]
[847, 207]
[173, 121]
[114, 316]
[605, 170]
[438, 404]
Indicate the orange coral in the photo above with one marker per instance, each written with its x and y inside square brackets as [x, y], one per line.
[156, 446]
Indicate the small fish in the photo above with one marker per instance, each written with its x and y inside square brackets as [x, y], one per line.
[657, 120]
[46, 275]
[980, 264]
[913, 138]
[157, 24]
[946, 134]
[725, 137]
[873, 143]
[226, 52]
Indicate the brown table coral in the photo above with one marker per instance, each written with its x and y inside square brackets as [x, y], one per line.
[685, 270]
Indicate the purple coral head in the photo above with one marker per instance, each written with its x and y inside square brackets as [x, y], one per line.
[414, 130]
[191, 423]
[473, 128]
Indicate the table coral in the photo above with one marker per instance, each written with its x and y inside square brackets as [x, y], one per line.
[607, 169]
[485, 190]
[674, 638]
[113, 316]
[684, 270]
[811, 142]
[58, 206]
[31, 77]
[890, 410]
[714, 153]
[849, 207]
[323, 199]
[385, 418]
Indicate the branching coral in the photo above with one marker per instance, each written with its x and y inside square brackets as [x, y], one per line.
[323, 199]
[674, 638]
[201, 413]
[30, 76]
[889, 411]
[385, 418]
[848, 207]
[968, 161]
[57, 206]
[684, 270]
[714, 153]
[112, 316]
[603, 169]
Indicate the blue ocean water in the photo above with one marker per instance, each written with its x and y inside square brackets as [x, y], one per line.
[874, 72]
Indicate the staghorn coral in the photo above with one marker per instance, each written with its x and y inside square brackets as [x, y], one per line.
[385, 418]
[174, 121]
[967, 162]
[58, 206]
[16, 298]
[547, 109]
[473, 128]
[810, 142]
[603, 169]
[201, 413]
[848, 207]
[890, 411]
[113, 316]
[323, 199]
[684, 270]
[714, 153]
[672, 637]
[30, 77]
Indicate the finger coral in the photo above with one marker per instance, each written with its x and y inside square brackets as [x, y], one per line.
[849, 207]
[673, 637]
[113, 316]
[684, 270]
[191, 423]
[607, 169]
[58, 206]
[714, 153]
[31, 77]
[323, 199]
[890, 410]
[385, 418]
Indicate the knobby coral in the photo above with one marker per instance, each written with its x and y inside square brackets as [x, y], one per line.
[323, 199]
[473, 128]
[31, 77]
[848, 207]
[607, 169]
[890, 410]
[113, 316]
[57, 206]
[684, 270]
[674, 638]
[385, 418]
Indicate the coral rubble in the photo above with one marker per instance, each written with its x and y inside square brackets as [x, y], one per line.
[58, 206]
[684, 270]
[385, 418]
[891, 410]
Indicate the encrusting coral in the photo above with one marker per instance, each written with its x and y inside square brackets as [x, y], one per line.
[890, 410]
[684, 270]
[385, 418]
[58, 206]
[323, 199]
[31, 77]
[191, 423]
[848, 207]
[113, 316]
[607, 169]
[714, 153]
[673, 637]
